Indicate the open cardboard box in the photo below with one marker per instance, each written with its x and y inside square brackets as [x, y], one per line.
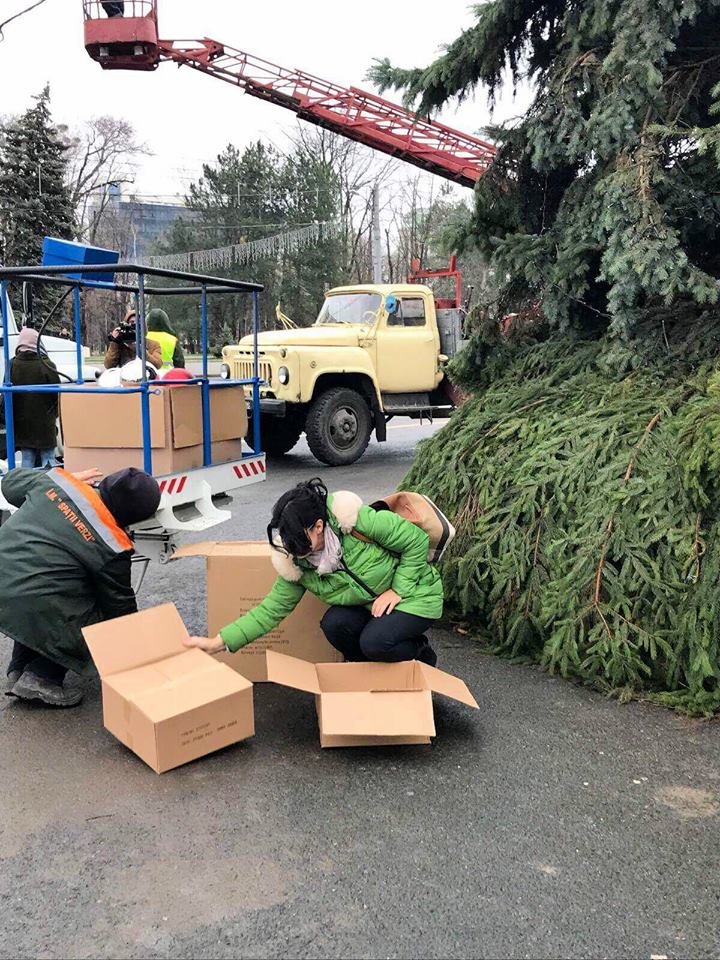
[104, 430]
[169, 704]
[370, 704]
[239, 575]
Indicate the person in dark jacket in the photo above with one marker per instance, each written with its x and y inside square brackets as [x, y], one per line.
[66, 564]
[370, 565]
[114, 8]
[34, 414]
[159, 330]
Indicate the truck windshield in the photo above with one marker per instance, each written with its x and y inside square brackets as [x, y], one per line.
[360, 308]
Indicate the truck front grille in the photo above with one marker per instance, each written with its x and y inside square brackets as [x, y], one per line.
[245, 370]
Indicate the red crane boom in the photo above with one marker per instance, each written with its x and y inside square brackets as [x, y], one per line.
[130, 41]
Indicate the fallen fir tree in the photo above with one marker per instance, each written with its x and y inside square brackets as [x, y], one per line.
[588, 515]
[584, 471]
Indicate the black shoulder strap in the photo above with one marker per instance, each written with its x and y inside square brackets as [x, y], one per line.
[360, 582]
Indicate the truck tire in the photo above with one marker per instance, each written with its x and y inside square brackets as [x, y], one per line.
[338, 426]
[278, 435]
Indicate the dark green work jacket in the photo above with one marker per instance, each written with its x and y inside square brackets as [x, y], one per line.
[64, 564]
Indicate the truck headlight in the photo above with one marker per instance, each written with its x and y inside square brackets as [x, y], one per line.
[284, 376]
[225, 371]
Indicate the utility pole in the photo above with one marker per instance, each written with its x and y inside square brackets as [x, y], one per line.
[376, 238]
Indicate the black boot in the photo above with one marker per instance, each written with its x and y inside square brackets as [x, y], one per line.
[22, 656]
[425, 653]
[50, 692]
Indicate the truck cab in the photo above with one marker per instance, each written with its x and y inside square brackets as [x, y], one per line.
[375, 351]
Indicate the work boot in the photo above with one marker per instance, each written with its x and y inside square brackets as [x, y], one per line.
[12, 678]
[427, 655]
[32, 687]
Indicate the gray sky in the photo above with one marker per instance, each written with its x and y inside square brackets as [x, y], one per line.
[185, 117]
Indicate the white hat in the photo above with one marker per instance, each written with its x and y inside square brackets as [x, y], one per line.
[132, 371]
[110, 378]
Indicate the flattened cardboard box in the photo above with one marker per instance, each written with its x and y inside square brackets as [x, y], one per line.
[239, 575]
[167, 703]
[104, 430]
[370, 704]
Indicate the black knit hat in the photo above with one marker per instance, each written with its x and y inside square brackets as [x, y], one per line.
[131, 495]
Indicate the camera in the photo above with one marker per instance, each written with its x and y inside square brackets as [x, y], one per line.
[126, 332]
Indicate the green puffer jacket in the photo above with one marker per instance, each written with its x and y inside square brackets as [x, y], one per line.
[396, 558]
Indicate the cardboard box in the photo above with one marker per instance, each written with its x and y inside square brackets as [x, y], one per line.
[167, 703]
[239, 575]
[104, 430]
[370, 704]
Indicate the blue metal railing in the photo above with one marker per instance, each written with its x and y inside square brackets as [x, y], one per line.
[197, 285]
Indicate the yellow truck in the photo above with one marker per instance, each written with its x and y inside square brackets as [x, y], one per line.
[376, 351]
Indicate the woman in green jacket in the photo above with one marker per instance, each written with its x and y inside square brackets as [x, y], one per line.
[367, 563]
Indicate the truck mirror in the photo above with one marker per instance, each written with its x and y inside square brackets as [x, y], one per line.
[391, 304]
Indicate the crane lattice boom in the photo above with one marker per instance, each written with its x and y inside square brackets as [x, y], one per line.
[124, 36]
[351, 112]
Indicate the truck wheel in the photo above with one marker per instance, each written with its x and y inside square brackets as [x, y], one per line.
[278, 435]
[338, 427]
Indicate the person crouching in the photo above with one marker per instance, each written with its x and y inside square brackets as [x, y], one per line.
[66, 565]
[383, 593]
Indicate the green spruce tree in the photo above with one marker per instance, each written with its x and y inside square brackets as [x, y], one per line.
[34, 198]
[235, 199]
[583, 475]
[603, 204]
[249, 195]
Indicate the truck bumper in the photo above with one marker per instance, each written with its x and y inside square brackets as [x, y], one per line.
[270, 407]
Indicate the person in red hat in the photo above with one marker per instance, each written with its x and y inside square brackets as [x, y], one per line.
[177, 373]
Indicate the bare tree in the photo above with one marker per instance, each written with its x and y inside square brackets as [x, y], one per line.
[358, 170]
[103, 309]
[100, 152]
[416, 206]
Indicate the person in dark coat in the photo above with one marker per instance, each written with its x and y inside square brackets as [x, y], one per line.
[34, 414]
[114, 8]
[66, 564]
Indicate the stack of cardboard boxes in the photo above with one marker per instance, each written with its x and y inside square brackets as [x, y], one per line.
[104, 430]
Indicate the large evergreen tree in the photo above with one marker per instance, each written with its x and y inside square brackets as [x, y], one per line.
[34, 198]
[584, 481]
[603, 204]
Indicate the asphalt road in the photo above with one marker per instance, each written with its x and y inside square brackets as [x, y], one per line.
[552, 822]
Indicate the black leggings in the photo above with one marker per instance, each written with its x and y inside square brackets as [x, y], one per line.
[358, 635]
[23, 657]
